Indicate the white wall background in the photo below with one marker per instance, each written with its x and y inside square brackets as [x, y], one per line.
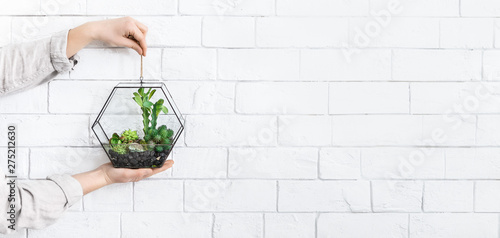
[305, 118]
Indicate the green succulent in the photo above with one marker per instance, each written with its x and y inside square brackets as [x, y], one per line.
[119, 148]
[166, 141]
[159, 148]
[129, 136]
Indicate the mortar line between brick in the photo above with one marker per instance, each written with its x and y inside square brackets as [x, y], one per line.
[263, 225]
[409, 98]
[133, 196]
[121, 226]
[213, 225]
[316, 224]
[473, 196]
[183, 195]
[227, 163]
[371, 196]
[409, 225]
[255, 32]
[276, 7]
[460, 8]
[277, 195]
[423, 192]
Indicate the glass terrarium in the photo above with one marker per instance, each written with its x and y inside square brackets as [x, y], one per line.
[139, 125]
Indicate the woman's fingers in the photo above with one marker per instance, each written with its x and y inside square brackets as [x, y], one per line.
[142, 27]
[131, 44]
[141, 38]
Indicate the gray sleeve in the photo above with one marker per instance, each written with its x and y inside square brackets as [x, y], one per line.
[31, 63]
[39, 203]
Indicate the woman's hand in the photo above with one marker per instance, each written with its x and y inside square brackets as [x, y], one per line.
[106, 174]
[115, 32]
[115, 175]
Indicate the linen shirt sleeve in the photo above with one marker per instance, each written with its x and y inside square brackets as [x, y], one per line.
[38, 203]
[31, 63]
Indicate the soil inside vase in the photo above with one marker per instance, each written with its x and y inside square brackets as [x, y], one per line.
[145, 159]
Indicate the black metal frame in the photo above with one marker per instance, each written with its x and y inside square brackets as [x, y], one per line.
[150, 84]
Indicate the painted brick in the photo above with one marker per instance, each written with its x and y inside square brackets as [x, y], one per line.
[172, 31]
[57, 130]
[363, 98]
[301, 32]
[436, 65]
[322, 8]
[5, 27]
[486, 196]
[305, 130]
[290, 225]
[33, 100]
[61, 7]
[344, 65]
[453, 225]
[203, 97]
[58, 160]
[228, 31]
[377, 130]
[220, 130]
[280, 163]
[189, 64]
[472, 163]
[426, 8]
[402, 163]
[326, 196]
[123, 64]
[456, 129]
[229, 8]
[466, 33]
[115, 197]
[374, 225]
[394, 32]
[31, 28]
[117, 7]
[148, 224]
[446, 196]
[81, 225]
[258, 64]
[245, 224]
[340, 163]
[487, 128]
[168, 195]
[230, 195]
[282, 98]
[200, 163]
[454, 98]
[23, 7]
[481, 8]
[491, 70]
[397, 196]
[91, 96]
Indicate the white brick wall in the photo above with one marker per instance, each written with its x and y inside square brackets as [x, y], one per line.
[304, 118]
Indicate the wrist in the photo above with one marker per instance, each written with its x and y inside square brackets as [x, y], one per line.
[101, 171]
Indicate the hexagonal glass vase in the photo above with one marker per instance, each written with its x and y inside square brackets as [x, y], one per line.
[129, 130]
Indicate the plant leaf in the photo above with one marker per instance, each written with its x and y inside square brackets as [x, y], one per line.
[164, 109]
[138, 100]
[147, 104]
[152, 93]
[141, 91]
[160, 102]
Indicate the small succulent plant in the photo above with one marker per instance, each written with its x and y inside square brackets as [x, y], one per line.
[155, 139]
